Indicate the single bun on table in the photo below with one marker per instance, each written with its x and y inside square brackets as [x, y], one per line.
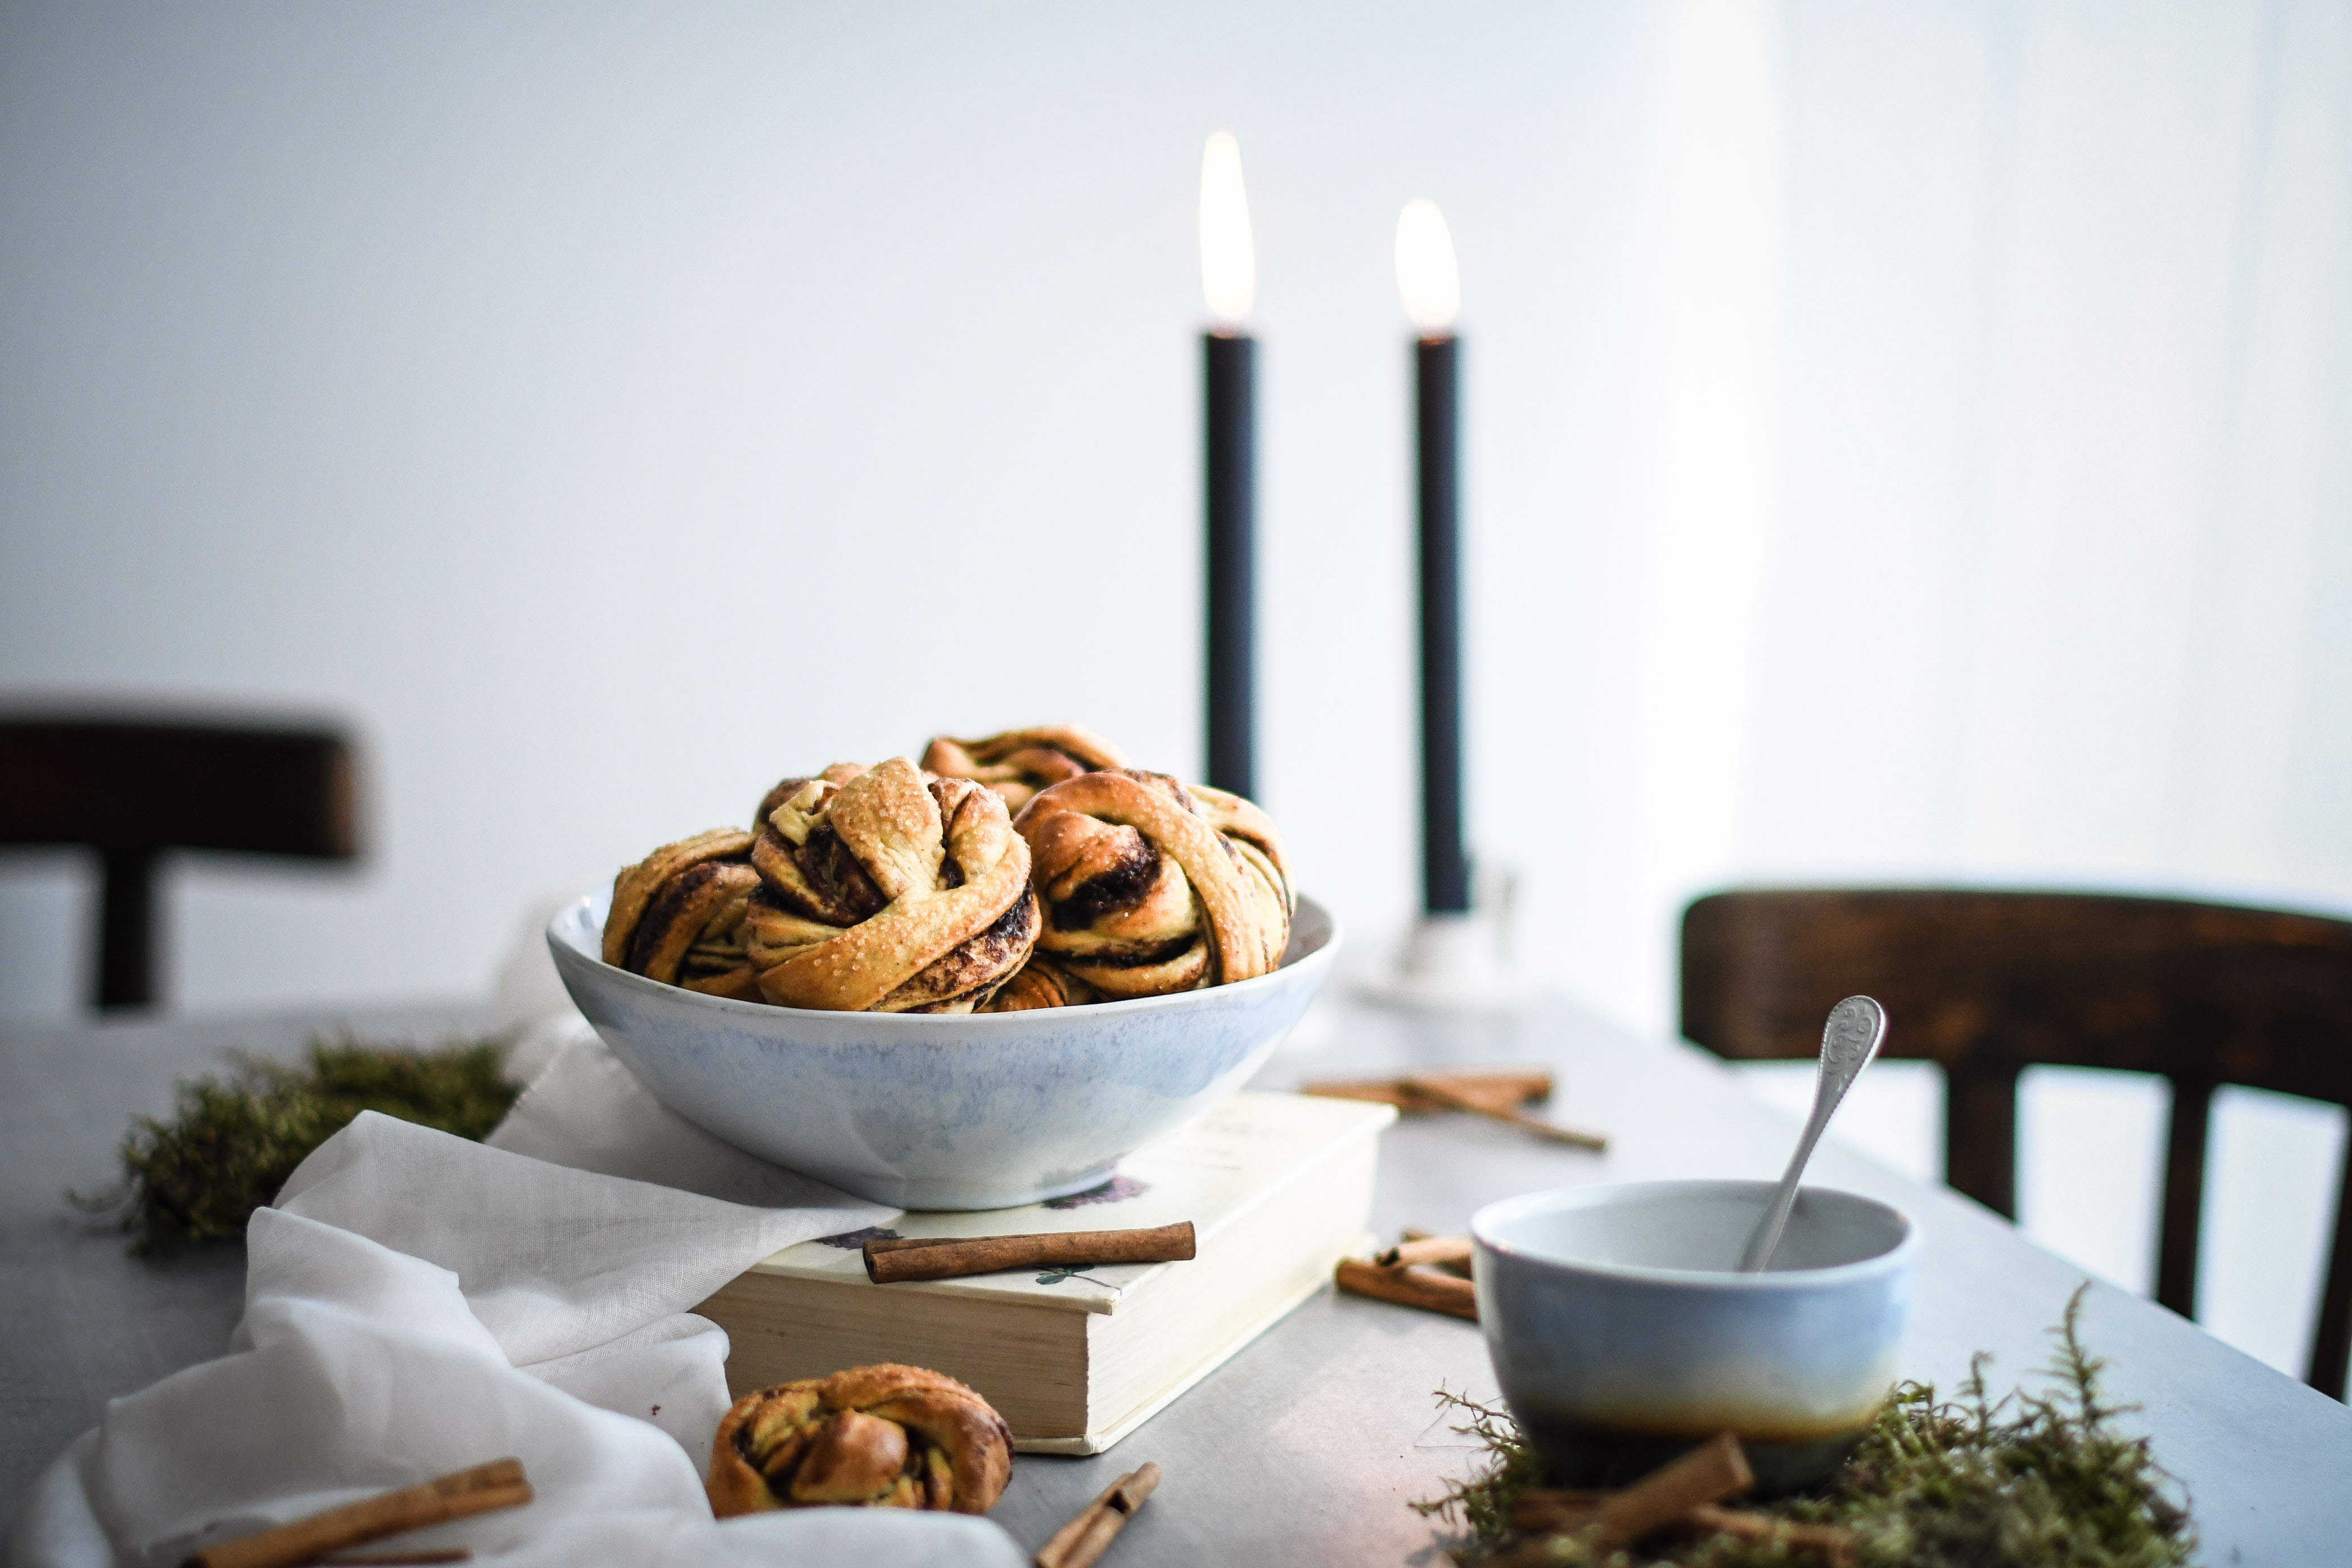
[1017, 763]
[872, 1436]
[677, 915]
[888, 893]
[1151, 886]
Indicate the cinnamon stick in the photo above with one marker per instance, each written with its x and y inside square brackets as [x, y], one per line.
[1495, 1086]
[1077, 1543]
[901, 1242]
[1443, 1250]
[1829, 1540]
[1716, 1469]
[1451, 1098]
[933, 1257]
[1546, 1509]
[1409, 1285]
[485, 1487]
[1546, 1512]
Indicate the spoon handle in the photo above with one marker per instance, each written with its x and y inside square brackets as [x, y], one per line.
[1765, 1240]
[1850, 1040]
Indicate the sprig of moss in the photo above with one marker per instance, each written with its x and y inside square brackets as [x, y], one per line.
[232, 1142]
[1482, 1504]
[2034, 1480]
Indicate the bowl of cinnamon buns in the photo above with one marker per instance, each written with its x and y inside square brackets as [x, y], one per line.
[969, 979]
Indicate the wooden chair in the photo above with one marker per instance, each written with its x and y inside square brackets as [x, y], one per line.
[1986, 984]
[132, 790]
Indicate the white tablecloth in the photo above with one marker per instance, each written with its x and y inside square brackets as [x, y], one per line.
[416, 1303]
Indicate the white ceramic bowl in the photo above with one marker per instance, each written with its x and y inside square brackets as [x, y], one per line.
[1622, 1332]
[940, 1112]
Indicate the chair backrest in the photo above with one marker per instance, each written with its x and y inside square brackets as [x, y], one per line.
[132, 789]
[1987, 983]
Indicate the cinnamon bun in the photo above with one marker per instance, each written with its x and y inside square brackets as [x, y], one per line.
[888, 893]
[838, 773]
[677, 915]
[1017, 763]
[1151, 886]
[1039, 984]
[872, 1436]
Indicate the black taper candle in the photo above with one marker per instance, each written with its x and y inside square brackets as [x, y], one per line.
[1229, 492]
[1444, 866]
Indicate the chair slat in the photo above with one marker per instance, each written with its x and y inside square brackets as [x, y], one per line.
[126, 929]
[1980, 1135]
[2184, 1196]
[2331, 1343]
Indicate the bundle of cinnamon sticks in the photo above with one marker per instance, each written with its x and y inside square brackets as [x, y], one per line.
[1495, 1092]
[1686, 1494]
[1431, 1272]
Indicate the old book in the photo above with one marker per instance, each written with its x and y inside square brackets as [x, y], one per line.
[1278, 1188]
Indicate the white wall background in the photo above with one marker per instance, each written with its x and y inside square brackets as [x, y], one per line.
[1902, 443]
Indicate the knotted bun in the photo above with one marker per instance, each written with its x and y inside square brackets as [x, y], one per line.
[872, 1436]
[838, 773]
[677, 915]
[1039, 984]
[1017, 763]
[888, 894]
[1151, 886]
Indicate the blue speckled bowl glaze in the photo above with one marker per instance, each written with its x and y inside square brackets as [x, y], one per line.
[1622, 1335]
[940, 1112]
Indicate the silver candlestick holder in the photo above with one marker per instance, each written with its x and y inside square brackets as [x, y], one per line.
[1457, 962]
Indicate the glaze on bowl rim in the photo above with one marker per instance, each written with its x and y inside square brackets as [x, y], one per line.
[915, 1022]
[1601, 1195]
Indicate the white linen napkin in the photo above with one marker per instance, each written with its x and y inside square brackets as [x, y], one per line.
[588, 1110]
[417, 1303]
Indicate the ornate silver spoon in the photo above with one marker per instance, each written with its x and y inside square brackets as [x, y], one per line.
[1848, 1040]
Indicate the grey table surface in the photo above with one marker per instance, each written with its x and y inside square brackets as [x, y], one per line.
[1312, 1441]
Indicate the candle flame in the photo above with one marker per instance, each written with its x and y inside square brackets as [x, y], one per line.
[1228, 260]
[1427, 278]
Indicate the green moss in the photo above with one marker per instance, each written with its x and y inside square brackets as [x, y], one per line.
[1482, 1505]
[232, 1142]
[2033, 1481]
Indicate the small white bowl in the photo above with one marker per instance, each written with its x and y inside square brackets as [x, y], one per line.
[933, 1112]
[1623, 1334]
